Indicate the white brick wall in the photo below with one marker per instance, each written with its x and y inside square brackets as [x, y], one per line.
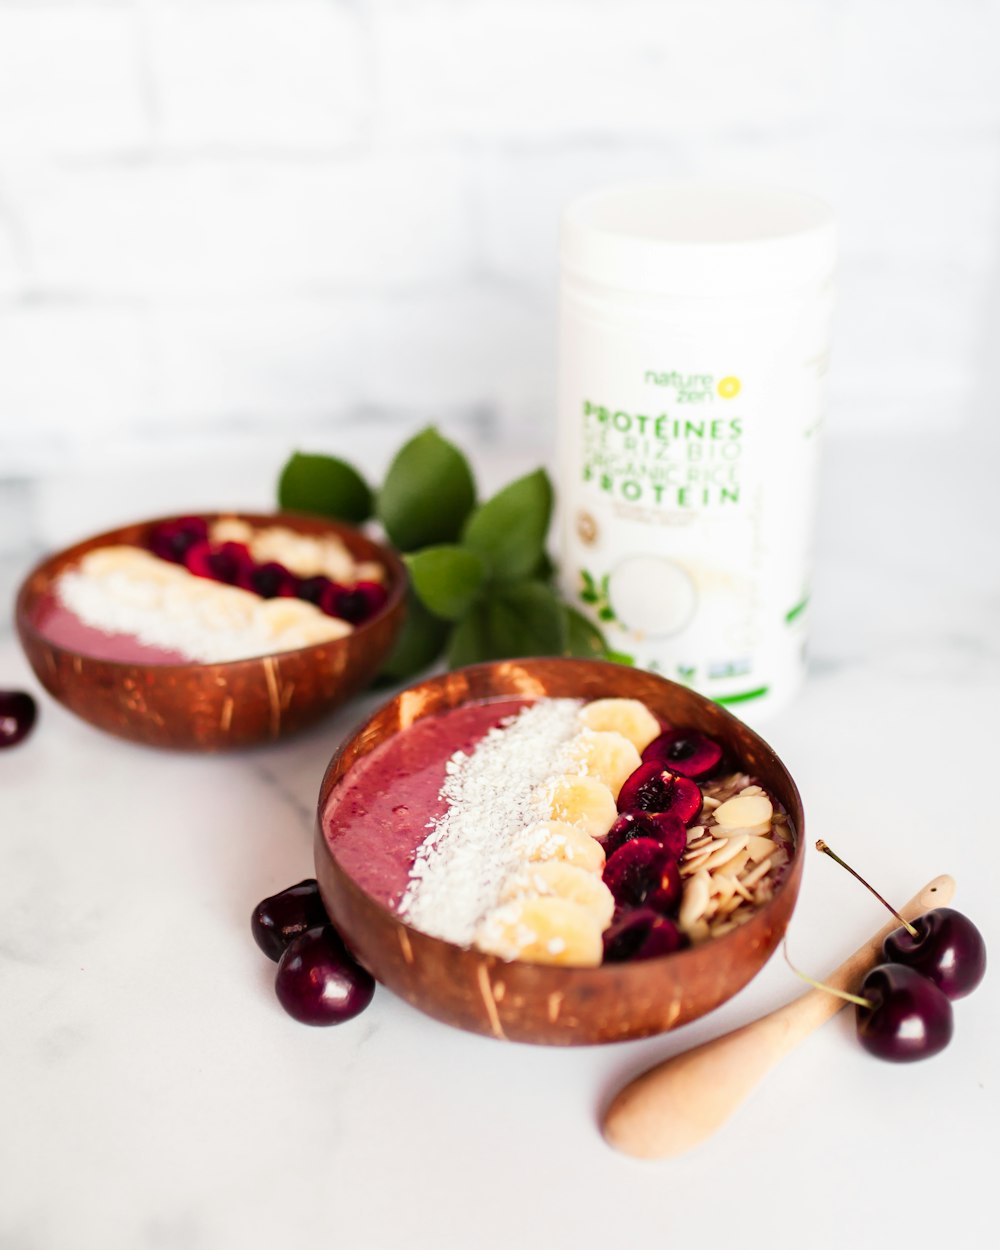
[249, 223]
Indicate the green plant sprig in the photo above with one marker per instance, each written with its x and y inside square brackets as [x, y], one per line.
[481, 581]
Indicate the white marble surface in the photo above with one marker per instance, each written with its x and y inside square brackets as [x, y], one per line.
[154, 1095]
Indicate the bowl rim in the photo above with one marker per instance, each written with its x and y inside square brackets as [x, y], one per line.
[625, 968]
[26, 598]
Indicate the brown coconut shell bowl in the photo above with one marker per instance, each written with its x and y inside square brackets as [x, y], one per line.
[212, 707]
[540, 1003]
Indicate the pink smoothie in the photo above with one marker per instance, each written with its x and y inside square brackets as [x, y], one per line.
[65, 629]
[377, 817]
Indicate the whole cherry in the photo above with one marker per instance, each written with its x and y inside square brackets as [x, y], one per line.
[278, 920]
[901, 1016]
[18, 712]
[943, 944]
[318, 982]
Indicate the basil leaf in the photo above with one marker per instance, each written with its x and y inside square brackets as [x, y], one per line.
[521, 619]
[427, 494]
[418, 645]
[326, 486]
[447, 579]
[583, 639]
[509, 530]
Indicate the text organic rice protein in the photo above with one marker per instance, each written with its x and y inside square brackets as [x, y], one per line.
[693, 346]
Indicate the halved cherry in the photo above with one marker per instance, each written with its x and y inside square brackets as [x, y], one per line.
[685, 751]
[662, 827]
[271, 580]
[643, 872]
[641, 934]
[174, 539]
[222, 562]
[653, 788]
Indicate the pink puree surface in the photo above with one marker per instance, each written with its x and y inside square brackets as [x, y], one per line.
[377, 817]
[65, 629]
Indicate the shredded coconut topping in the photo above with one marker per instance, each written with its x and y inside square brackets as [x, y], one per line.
[492, 795]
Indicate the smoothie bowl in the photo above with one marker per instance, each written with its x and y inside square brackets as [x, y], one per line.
[558, 851]
[211, 632]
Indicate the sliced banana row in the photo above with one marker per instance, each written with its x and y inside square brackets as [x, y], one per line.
[555, 907]
[127, 589]
[305, 555]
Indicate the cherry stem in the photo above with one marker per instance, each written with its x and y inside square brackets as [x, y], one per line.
[848, 998]
[822, 846]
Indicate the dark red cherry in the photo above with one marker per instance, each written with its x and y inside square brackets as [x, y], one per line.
[910, 1017]
[948, 949]
[174, 539]
[226, 562]
[662, 827]
[278, 920]
[312, 589]
[354, 603]
[653, 788]
[18, 713]
[643, 872]
[318, 982]
[684, 751]
[270, 580]
[641, 934]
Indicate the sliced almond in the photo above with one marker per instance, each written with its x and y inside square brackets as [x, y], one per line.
[760, 848]
[745, 811]
[729, 848]
[694, 902]
[756, 874]
[736, 865]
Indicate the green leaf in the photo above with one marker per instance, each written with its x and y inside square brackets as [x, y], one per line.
[420, 642]
[620, 657]
[427, 494]
[509, 530]
[583, 639]
[324, 485]
[447, 579]
[512, 620]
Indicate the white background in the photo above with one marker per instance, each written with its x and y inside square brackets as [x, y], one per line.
[269, 222]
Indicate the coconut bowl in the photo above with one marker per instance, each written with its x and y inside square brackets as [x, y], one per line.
[211, 707]
[540, 1003]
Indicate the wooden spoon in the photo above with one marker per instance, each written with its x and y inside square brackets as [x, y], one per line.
[683, 1100]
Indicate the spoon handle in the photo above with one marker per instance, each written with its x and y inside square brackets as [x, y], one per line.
[683, 1100]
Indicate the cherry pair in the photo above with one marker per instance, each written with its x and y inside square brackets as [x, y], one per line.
[904, 1005]
[317, 981]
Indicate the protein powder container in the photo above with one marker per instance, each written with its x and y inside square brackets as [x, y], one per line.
[694, 324]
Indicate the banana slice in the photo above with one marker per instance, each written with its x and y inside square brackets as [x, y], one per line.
[369, 571]
[560, 879]
[606, 755]
[582, 801]
[276, 616]
[133, 561]
[629, 717]
[554, 840]
[230, 529]
[327, 629]
[543, 931]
